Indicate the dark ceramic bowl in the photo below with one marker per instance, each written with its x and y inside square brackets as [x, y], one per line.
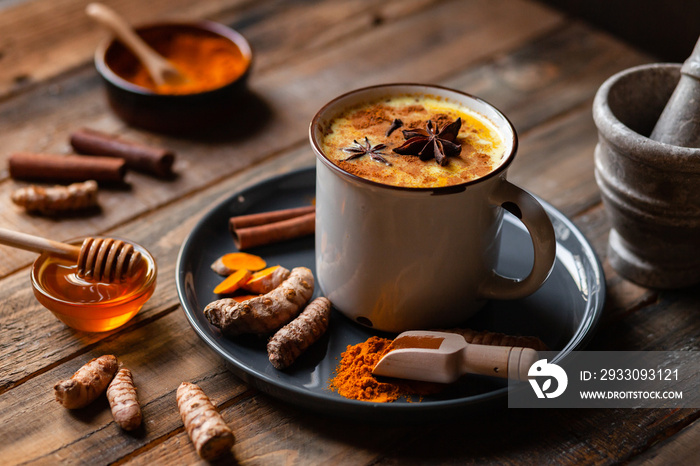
[141, 107]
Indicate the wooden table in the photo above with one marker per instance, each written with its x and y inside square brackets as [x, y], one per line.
[539, 67]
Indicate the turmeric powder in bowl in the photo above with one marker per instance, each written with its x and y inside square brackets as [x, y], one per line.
[215, 59]
[207, 60]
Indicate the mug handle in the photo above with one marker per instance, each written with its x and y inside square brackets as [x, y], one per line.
[526, 208]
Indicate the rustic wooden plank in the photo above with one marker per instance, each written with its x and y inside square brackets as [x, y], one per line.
[571, 190]
[623, 297]
[42, 40]
[32, 335]
[283, 103]
[266, 430]
[305, 27]
[666, 324]
[90, 433]
[163, 232]
[550, 75]
[682, 448]
[555, 161]
[461, 33]
[303, 443]
[581, 436]
[262, 416]
[269, 431]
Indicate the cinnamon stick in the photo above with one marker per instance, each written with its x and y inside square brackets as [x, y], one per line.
[68, 168]
[262, 218]
[280, 227]
[155, 160]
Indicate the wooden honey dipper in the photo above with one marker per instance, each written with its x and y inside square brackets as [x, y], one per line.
[99, 259]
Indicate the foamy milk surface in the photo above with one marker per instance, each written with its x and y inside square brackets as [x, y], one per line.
[482, 144]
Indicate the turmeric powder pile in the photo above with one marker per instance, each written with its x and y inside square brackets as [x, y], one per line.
[353, 378]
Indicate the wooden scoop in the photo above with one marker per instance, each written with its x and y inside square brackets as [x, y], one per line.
[159, 68]
[444, 357]
[99, 259]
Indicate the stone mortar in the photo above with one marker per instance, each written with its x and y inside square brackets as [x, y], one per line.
[651, 190]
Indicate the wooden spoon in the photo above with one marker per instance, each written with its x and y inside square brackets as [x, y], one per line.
[444, 357]
[160, 69]
[98, 259]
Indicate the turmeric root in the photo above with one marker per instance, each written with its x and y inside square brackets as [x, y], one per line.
[205, 426]
[229, 263]
[499, 339]
[266, 280]
[87, 383]
[265, 313]
[292, 339]
[76, 196]
[233, 281]
[123, 401]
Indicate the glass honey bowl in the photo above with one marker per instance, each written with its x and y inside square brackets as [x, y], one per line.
[92, 306]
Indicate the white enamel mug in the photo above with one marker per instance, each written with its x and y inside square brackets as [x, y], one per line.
[395, 258]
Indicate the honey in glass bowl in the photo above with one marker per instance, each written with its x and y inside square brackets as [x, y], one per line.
[91, 306]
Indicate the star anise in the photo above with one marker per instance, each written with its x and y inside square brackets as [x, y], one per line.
[367, 149]
[429, 143]
[396, 124]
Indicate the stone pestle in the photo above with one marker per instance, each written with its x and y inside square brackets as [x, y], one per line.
[647, 166]
[679, 123]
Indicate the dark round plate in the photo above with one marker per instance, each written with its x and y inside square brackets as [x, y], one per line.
[563, 312]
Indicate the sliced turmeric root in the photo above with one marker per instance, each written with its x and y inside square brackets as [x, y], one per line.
[233, 281]
[243, 260]
[266, 280]
[267, 312]
[229, 263]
